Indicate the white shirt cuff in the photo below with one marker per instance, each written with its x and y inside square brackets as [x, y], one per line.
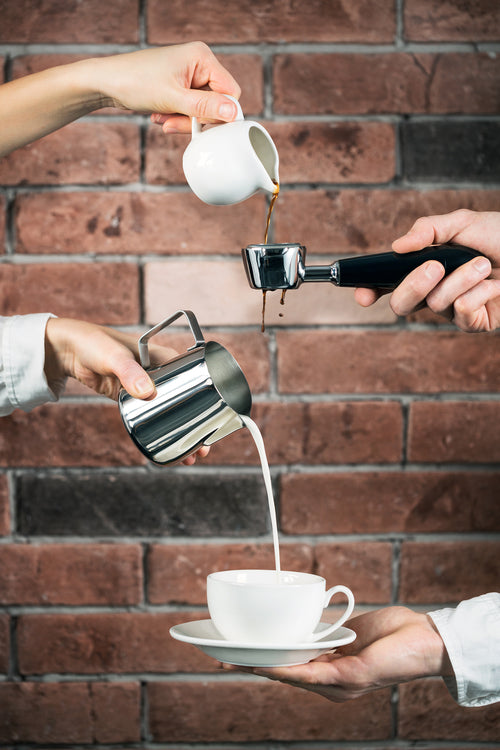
[23, 360]
[471, 634]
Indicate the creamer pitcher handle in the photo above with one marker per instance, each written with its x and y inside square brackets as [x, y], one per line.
[196, 125]
[193, 324]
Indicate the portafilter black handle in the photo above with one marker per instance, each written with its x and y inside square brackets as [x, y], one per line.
[387, 270]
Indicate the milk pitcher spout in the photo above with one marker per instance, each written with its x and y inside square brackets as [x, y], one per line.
[201, 397]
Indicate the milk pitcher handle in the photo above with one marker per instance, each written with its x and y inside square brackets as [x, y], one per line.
[193, 324]
[196, 125]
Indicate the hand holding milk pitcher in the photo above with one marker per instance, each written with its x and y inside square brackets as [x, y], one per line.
[226, 164]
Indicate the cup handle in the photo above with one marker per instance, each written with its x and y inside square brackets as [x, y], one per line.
[350, 606]
[196, 125]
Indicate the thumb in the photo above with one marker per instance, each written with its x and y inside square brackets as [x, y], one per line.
[206, 105]
[133, 377]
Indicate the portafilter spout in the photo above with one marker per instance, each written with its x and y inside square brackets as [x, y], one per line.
[282, 266]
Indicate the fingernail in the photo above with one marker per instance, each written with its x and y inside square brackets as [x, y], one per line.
[144, 386]
[226, 111]
[433, 271]
[482, 265]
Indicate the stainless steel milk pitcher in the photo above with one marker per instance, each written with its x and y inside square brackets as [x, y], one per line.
[200, 397]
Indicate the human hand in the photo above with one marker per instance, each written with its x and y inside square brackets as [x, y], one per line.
[103, 359]
[392, 645]
[171, 82]
[470, 296]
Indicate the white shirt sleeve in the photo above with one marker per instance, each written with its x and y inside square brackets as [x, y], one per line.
[23, 384]
[471, 634]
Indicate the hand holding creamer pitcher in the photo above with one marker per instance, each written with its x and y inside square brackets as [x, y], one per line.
[228, 163]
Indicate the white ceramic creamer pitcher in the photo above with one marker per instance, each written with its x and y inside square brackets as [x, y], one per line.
[228, 163]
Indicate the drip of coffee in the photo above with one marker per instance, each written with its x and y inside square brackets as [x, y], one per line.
[259, 442]
[266, 233]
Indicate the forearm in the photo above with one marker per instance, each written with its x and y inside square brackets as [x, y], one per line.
[38, 104]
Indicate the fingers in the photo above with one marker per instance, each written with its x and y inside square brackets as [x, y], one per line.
[472, 308]
[408, 296]
[131, 375]
[366, 297]
[431, 230]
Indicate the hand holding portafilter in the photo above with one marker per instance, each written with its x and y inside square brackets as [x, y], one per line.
[282, 266]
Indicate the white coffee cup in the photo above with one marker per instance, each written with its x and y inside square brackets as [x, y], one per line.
[271, 607]
[228, 163]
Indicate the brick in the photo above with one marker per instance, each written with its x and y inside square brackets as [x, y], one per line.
[136, 223]
[386, 502]
[458, 431]
[3, 208]
[345, 222]
[259, 712]
[365, 567]
[113, 504]
[423, 83]
[444, 151]
[101, 643]
[73, 435]
[57, 21]
[387, 362]
[178, 573]
[260, 21]
[71, 574]
[334, 152]
[105, 293]
[4, 506]
[219, 293]
[432, 20]
[447, 571]
[102, 153]
[70, 712]
[318, 433]
[427, 712]
[4, 643]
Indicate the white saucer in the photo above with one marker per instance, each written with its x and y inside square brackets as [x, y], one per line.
[204, 635]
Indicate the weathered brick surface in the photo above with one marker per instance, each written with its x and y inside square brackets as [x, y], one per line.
[107, 643]
[4, 506]
[448, 571]
[385, 502]
[257, 714]
[219, 292]
[70, 712]
[334, 152]
[80, 153]
[428, 712]
[55, 21]
[387, 362]
[70, 574]
[178, 573]
[73, 435]
[336, 83]
[257, 22]
[2, 224]
[382, 433]
[318, 433]
[432, 20]
[345, 222]
[464, 432]
[159, 503]
[364, 567]
[106, 293]
[133, 223]
[4, 643]
[440, 151]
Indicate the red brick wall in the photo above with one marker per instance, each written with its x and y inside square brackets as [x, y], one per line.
[383, 434]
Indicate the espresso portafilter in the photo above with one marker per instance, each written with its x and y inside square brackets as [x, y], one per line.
[283, 266]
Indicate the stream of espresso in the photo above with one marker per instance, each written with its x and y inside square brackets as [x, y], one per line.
[266, 234]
